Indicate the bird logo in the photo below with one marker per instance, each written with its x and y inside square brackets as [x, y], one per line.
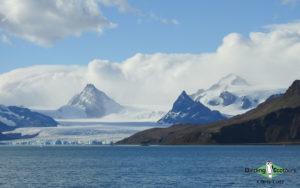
[269, 169]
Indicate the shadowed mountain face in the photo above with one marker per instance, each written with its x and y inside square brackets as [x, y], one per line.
[277, 120]
[13, 117]
[185, 110]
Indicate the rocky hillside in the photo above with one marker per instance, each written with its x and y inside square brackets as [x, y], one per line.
[275, 121]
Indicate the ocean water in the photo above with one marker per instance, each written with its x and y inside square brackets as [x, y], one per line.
[145, 166]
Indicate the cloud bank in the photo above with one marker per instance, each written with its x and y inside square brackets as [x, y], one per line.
[268, 59]
[43, 22]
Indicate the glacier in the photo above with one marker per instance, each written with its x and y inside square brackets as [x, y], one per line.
[79, 133]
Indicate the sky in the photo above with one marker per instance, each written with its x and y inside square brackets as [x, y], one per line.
[50, 49]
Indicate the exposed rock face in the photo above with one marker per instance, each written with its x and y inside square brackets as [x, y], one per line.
[246, 103]
[185, 110]
[228, 98]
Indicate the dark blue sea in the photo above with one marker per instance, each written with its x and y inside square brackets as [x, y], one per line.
[145, 166]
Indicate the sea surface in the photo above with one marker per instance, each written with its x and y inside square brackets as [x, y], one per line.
[145, 166]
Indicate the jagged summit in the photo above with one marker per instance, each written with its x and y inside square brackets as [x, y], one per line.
[89, 95]
[183, 101]
[294, 88]
[184, 96]
[89, 103]
[90, 88]
[186, 110]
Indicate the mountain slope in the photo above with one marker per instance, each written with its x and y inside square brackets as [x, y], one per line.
[89, 103]
[13, 117]
[185, 110]
[275, 121]
[233, 95]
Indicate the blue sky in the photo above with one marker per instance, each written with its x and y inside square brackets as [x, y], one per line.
[148, 28]
[154, 48]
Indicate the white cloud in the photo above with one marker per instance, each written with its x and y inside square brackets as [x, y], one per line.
[176, 22]
[154, 17]
[5, 39]
[122, 4]
[41, 85]
[271, 59]
[292, 2]
[44, 22]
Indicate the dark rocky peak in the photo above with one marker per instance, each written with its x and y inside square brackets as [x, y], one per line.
[182, 101]
[90, 87]
[184, 96]
[294, 88]
[228, 98]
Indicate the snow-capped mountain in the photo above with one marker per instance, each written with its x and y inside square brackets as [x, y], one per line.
[13, 117]
[233, 95]
[89, 103]
[186, 110]
[94, 104]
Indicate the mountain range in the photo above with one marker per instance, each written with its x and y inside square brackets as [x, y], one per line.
[232, 95]
[13, 117]
[275, 121]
